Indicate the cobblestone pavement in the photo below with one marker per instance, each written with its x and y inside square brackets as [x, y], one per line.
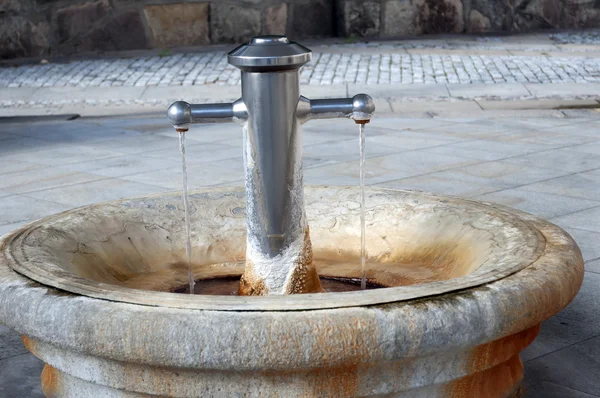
[369, 63]
[325, 69]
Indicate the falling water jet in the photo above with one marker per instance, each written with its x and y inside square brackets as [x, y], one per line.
[186, 207]
[363, 245]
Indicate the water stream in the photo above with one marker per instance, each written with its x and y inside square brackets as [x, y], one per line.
[186, 206]
[363, 245]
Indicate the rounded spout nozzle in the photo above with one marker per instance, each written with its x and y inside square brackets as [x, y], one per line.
[363, 108]
[180, 115]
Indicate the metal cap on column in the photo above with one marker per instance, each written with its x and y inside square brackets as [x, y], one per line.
[269, 53]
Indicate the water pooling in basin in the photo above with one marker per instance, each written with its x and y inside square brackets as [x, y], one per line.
[186, 207]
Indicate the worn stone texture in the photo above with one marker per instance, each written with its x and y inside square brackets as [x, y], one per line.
[361, 18]
[232, 23]
[399, 19]
[440, 16]
[478, 23]
[124, 31]
[78, 19]
[179, 24]
[21, 37]
[10, 6]
[313, 19]
[276, 19]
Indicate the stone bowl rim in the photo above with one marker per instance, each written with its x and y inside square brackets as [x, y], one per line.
[68, 282]
[59, 320]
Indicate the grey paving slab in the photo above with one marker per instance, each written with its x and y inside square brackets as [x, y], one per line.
[582, 185]
[546, 389]
[199, 175]
[12, 148]
[400, 90]
[488, 90]
[589, 242]
[565, 89]
[197, 152]
[137, 145]
[541, 204]
[558, 333]
[18, 208]
[192, 93]
[383, 168]
[206, 133]
[483, 149]
[20, 377]
[408, 140]
[434, 107]
[592, 147]
[593, 266]
[534, 103]
[576, 367]
[586, 305]
[10, 343]
[14, 166]
[54, 154]
[42, 178]
[434, 184]
[6, 228]
[410, 123]
[560, 159]
[346, 150]
[93, 192]
[121, 165]
[17, 93]
[499, 174]
[78, 133]
[588, 220]
[92, 94]
[548, 139]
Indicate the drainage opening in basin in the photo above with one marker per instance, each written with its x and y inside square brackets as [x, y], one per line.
[228, 286]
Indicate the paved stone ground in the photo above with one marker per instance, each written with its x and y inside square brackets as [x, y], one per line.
[563, 65]
[543, 162]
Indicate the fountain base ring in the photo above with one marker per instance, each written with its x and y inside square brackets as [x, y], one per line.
[489, 277]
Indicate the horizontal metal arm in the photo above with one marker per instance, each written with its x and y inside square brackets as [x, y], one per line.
[360, 108]
[182, 115]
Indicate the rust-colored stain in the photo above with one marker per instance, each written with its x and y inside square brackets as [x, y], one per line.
[29, 344]
[496, 368]
[304, 277]
[498, 351]
[340, 382]
[497, 382]
[50, 382]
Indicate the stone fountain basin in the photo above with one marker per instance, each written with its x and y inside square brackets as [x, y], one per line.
[468, 285]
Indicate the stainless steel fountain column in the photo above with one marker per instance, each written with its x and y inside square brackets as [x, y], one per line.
[279, 255]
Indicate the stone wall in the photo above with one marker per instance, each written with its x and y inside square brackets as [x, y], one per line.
[36, 28]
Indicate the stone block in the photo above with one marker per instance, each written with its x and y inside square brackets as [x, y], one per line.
[399, 19]
[440, 16]
[21, 37]
[124, 31]
[361, 18]
[15, 6]
[478, 22]
[77, 19]
[276, 19]
[313, 19]
[179, 24]
[231, 23]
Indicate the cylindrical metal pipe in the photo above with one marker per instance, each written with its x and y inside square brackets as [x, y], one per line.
[277, 240]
